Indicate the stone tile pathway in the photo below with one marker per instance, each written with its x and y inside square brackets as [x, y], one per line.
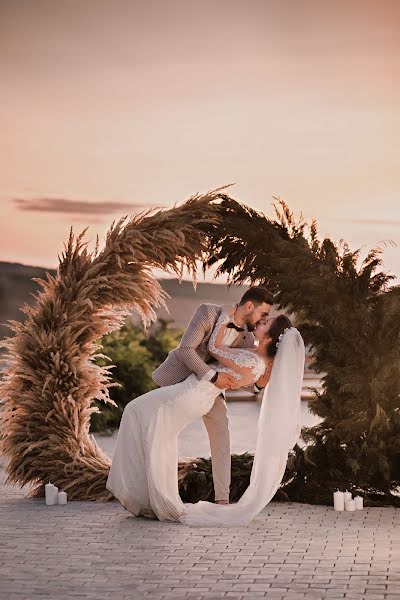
[96, 551]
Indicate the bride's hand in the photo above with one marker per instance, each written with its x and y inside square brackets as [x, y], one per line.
[264, 379]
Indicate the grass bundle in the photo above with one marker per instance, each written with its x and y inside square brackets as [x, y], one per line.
[51, 380]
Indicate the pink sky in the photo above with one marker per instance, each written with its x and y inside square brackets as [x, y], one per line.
[107, 107]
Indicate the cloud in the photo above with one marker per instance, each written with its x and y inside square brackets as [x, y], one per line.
[76, 207]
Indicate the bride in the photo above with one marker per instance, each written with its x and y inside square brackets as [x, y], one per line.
[144, 470]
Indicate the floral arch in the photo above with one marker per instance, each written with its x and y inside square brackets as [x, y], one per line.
[348, 314]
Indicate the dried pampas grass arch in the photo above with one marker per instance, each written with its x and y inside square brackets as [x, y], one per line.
[51, 380]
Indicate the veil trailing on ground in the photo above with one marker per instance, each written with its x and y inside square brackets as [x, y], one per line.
[279, 428]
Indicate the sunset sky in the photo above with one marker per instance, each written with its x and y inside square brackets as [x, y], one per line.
[111, 106]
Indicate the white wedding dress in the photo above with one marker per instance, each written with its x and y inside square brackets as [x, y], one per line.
[144, 471]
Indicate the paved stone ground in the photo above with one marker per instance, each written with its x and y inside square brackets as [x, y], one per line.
[99, 551]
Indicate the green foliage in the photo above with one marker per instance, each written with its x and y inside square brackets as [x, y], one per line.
[196, 483]
[350, 318]
[135, 355]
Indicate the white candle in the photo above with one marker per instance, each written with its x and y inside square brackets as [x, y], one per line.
[338, 500]
[359, 502]
[50, 495]
[62, 497]
[55, 492]
[347, 495]
[349, 505]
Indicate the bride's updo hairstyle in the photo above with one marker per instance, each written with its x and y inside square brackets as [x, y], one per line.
[278, 326]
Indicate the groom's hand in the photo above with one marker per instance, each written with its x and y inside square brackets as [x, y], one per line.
[225, 381]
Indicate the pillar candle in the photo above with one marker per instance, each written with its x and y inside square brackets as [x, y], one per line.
[62, 497]
[55, 492]
[359, 502]
[338, 500]
[349, 505]
[50, 494]
[347, 495]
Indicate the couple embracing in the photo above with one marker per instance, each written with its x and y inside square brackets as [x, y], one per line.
[223, 347]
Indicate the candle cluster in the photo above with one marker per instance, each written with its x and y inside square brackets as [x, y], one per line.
[53, 496]
[344, 501]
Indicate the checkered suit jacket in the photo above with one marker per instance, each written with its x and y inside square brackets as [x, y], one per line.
[191, 355]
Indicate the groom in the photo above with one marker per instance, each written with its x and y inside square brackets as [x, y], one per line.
[191, 356]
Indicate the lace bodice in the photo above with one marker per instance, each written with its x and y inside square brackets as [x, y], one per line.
[242, 363]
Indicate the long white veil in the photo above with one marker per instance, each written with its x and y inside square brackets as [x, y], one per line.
[279, 427]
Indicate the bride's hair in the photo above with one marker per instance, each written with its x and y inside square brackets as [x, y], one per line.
[278, 326]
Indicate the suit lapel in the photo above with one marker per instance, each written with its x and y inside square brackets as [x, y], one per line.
[212, 323]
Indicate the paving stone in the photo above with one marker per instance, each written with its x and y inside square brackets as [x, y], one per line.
[96, 551]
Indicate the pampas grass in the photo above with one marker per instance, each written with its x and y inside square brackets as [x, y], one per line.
[51, 380]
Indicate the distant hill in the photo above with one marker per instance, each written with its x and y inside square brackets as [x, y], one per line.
[16, 287]
[184, 298]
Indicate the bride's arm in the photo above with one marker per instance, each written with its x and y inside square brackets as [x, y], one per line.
[265, 377]
[237, 359]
